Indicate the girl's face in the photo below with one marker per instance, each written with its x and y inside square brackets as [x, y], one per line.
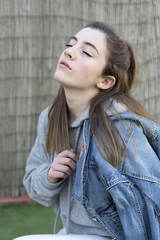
[81, 64]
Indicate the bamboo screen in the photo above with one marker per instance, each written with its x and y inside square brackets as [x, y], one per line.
[32, 35]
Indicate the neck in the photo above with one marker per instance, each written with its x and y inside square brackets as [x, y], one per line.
[78, 102]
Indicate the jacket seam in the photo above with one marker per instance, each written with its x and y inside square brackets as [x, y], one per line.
[137, 176]
[139, 214]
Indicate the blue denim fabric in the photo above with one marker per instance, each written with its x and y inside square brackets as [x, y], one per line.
[125, 201]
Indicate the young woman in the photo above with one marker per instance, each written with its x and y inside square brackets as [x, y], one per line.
[96, 155]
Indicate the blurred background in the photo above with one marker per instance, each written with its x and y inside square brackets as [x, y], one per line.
[32, 35]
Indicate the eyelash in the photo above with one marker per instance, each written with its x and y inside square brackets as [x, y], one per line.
[87, 54]
[68, 45]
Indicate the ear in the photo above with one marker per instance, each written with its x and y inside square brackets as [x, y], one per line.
[106, 83]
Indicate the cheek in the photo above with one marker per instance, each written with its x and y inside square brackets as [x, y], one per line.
[84, 76]
[86, 73]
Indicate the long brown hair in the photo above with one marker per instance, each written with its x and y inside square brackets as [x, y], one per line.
[121, 64]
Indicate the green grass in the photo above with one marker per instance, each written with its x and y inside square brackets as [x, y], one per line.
[25, 218]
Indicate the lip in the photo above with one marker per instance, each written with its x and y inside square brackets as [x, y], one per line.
[64, 65]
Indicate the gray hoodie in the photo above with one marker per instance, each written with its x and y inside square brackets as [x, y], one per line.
[74, 217]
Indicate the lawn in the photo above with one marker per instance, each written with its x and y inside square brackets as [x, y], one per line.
[25, 218]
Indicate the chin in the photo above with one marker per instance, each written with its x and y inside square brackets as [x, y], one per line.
[59, 79]
[58, 76]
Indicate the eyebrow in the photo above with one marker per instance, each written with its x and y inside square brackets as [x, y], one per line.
[86, 43]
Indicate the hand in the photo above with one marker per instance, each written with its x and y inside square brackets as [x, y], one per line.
[62, 166]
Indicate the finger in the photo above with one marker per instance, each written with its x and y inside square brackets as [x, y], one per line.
[58, 171]
[66, 162]
[68, 154]
[55, 176]
[62, 168]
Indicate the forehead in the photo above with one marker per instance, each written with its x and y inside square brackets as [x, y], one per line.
[94, 36]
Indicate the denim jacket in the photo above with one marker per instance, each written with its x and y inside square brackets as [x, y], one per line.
[125, 201]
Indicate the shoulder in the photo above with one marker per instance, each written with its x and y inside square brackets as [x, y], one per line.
[43, 117]
[44, 113]
[43, 120]
[136, 132]
[138, 123]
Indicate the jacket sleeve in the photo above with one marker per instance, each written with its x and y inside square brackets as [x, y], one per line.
[134, 187]
[38, 163]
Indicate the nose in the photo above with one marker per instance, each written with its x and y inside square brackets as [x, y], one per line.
[69, 53]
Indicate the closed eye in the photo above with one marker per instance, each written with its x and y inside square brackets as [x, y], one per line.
[87, 54]
[68, 45]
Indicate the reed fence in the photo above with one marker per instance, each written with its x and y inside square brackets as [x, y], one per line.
[32, 35]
